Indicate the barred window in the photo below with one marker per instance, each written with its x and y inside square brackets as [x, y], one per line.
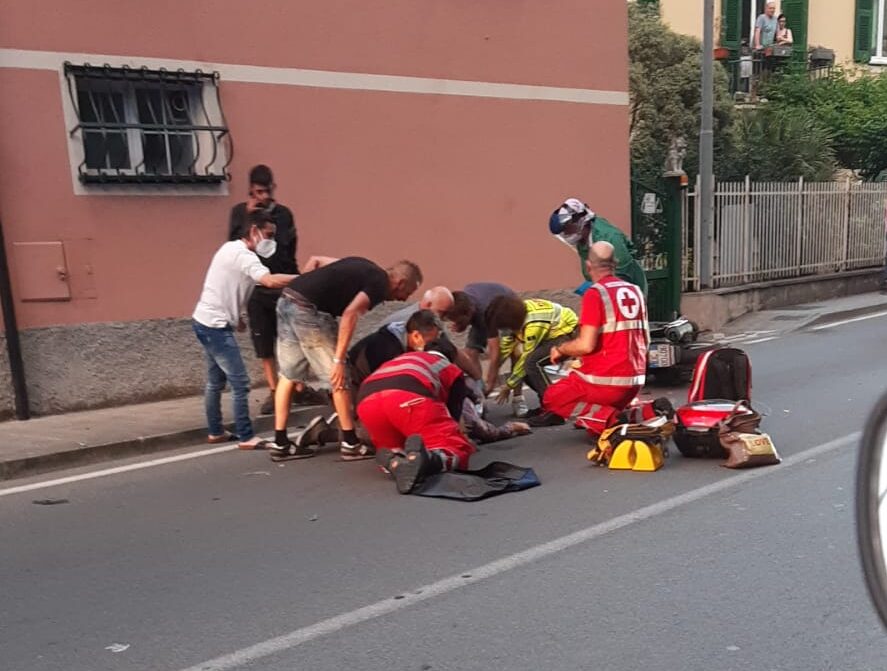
[141, 126]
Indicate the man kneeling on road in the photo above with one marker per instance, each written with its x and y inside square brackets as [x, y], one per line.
[410, 406]
[309, 340]
[613, 341]
[391, 341]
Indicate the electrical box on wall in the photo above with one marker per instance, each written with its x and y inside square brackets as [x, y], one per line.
[53, 271]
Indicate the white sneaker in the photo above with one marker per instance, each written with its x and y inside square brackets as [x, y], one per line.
[519, 407]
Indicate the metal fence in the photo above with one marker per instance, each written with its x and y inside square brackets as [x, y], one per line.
[774, 230]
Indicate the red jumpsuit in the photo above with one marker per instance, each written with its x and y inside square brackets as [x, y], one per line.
[409, 395]
[613, 374]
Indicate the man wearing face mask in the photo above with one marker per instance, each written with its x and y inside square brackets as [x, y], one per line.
[575, 224]
[279, 256]
[233, 273]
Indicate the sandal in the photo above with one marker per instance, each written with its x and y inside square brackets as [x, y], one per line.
[254, 443]
[226, 437]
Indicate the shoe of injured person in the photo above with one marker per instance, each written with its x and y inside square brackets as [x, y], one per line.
[662, 406]
[546, 419]
[412, 467]
[356, 451]
[331, 432]
[519, 407]
[313, 434]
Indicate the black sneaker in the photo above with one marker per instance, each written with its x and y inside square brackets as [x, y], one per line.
[313, 433]
[546, 419]
[662, 406]
[413, 467]
[356, 452]
[331, 431]
[289, 451]
[383, 459]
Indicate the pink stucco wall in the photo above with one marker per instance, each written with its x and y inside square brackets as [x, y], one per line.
[461, 185]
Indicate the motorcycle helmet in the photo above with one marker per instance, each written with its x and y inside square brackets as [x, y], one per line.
[570, 219]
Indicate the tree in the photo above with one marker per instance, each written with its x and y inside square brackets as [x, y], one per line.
[849, 106]
[664, 75]
[771, 144]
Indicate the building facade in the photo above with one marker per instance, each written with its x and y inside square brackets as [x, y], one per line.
[856, 30]
[436, 131]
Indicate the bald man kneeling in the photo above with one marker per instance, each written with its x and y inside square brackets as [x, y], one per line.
[612, 343]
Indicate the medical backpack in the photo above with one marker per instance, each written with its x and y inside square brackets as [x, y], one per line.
[719, 392]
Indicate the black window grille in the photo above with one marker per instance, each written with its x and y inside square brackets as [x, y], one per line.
[141, 126]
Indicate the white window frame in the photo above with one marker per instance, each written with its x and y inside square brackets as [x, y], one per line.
[77, 151]
[879, 57]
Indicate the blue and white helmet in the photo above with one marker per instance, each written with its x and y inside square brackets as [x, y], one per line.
[572, 210]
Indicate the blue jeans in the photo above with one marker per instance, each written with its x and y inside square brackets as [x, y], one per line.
[224, 364]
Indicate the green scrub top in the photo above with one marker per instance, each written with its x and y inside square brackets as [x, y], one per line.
[627, 267]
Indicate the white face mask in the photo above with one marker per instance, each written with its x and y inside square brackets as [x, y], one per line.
[266, 247]
[572, 238]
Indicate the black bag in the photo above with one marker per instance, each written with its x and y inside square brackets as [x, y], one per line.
[721, 374]
[493, 479]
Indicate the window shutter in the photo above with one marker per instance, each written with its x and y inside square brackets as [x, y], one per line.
[796, 18]
[731, 24]
[865, 21]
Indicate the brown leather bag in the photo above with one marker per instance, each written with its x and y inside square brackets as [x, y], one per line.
[748, 450]
[745, 445]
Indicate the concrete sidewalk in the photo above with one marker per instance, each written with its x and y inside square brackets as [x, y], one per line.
[805, 315]
[62, 441]
[79, 438]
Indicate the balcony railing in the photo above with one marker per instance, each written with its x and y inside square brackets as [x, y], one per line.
[749, 70]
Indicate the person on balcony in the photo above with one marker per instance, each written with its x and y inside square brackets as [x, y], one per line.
[784, 35]
[766, 26]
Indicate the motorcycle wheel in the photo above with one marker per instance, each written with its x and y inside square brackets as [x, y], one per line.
[871, 506]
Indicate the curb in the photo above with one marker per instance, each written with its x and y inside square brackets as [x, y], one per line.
[845, 314]
[92, 454]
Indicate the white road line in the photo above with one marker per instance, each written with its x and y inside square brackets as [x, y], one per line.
[117, 469]
[758, 340]
[832, 325]
[416, 595]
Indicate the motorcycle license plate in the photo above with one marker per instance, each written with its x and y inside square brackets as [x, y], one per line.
[661, 355]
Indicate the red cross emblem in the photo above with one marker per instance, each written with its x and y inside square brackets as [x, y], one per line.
[628, 303]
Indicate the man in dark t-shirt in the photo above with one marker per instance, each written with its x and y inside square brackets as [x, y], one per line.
[262, 306]
[310, 340]
[469, 313]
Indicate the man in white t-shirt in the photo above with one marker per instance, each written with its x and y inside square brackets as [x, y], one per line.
[234, 271]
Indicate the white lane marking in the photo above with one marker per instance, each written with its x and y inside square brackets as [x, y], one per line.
[759, 340]
[335, 624]
[832, 325]
[360, 81]
[115, 470]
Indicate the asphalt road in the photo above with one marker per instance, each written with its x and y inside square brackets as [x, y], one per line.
[230, 561]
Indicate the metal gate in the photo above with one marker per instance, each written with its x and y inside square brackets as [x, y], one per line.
[656, 231]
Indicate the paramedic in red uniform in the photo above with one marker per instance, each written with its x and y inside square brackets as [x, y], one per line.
[410, 406]
[613, 341]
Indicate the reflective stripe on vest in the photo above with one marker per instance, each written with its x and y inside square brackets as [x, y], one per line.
[417, 364]
[631, 381]
[609, 314]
